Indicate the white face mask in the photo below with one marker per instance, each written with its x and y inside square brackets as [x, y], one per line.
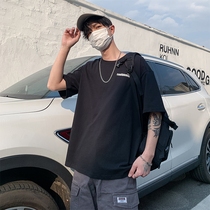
[100, 39]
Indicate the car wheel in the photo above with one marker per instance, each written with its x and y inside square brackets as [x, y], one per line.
[202, 172]
[22, 195]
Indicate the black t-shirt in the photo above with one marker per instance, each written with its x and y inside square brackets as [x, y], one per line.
[105, 132]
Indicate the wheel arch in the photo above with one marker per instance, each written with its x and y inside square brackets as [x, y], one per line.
[205, 132]
[47, 173]
[201, 173]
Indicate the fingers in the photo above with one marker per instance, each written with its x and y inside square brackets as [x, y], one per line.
[139, 168]
[138, 173]
[132, 171]
[135, 173]
[77, 32]
[72, 31]
[70, 37]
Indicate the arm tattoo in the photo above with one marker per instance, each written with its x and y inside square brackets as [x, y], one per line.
[149, 123]
[157, 119]
[156, 131]
[154, 123]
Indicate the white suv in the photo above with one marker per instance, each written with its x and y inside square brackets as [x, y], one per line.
[36, 123]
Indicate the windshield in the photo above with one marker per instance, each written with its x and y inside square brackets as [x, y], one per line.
[35, 85]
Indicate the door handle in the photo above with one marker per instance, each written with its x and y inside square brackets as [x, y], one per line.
[201, 107]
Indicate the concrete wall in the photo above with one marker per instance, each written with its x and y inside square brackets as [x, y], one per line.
[31, 31]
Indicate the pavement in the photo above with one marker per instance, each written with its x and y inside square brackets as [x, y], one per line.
[203, 205]
[183, 193]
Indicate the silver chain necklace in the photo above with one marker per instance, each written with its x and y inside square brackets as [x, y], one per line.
[112, 70]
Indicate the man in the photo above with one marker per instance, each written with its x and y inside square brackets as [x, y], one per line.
[105, 136]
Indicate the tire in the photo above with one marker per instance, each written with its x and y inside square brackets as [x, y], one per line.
[202, 172]
[22, 195]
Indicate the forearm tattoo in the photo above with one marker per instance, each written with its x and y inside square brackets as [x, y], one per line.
[149, 123]
[154, 123]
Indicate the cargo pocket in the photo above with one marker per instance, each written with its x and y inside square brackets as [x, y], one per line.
[126, 200]
[74, 196]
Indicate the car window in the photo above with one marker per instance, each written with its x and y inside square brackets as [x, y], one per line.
[152, 66]
[35, 85]
[52, 94]
[193, 85]
[171, 80]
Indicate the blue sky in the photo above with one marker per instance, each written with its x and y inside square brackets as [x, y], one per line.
[187, 19]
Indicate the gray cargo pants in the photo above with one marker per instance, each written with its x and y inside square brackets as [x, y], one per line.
[95, 194]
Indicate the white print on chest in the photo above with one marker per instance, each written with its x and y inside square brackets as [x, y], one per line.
[121, 199]
[123, 75]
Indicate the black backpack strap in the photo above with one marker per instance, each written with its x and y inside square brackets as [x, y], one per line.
[129, 63]
[135, 84]
[170, 123]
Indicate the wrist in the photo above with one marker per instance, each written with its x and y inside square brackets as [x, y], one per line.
[148, 156]
[148, 163]
[65, 48]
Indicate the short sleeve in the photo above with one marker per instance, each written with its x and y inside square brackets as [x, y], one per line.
[72, 84]
[151, 99]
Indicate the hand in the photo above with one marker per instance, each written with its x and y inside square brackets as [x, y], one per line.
[70, 37]
[139, 168]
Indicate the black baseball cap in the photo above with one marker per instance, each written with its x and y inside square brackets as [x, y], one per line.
[85, 16]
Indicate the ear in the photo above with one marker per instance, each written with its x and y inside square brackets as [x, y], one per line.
[112, 29]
